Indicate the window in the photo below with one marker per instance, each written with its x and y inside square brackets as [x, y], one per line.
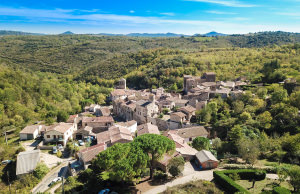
[48, 136]
[191, 139]
[54, 136]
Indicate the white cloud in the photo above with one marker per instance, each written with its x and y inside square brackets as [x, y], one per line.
[168, 14]
[229, 3]
[221, 12]
[144, 24]
[131, 11]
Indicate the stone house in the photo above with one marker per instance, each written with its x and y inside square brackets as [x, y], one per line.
[59, 133]
[190, 133]
[186, 151]
[98, 123]
[147, 128]
[86, 155]
[189, 111]
[130, 125]
[165, 104]
[145, 110]
[115, 134]
[178, 117]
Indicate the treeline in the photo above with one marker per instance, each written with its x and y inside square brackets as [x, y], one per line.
[28, 97]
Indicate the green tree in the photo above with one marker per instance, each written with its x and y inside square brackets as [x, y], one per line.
[294, 174]
[201, 143]
[238, 106]
[62, 116]
[155, 146]
[120, 163]
[279, 95]
[264, 120]
[248, 149]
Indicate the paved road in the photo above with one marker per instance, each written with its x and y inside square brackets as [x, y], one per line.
[189, 174]
[56, 172]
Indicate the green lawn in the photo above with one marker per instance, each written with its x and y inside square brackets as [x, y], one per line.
[259, 185]
[199, 186]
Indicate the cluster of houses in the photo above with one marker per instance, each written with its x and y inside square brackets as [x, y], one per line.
[137, 112]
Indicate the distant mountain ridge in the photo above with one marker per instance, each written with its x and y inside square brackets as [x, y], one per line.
[10, 32]
[67, 33]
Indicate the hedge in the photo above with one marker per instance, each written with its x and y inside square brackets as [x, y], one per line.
[227, 183]
[248, 174]
[281, 190]
[221, 177]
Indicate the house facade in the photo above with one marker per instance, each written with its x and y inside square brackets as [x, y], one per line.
[30, 132]
[59, 133]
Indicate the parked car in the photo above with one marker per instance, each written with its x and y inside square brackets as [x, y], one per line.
[81, 143]
[60, 147]
[57, 179]
[104, 191]
[54, 150]
[6, 162]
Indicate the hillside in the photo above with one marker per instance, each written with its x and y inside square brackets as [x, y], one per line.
[91, 57]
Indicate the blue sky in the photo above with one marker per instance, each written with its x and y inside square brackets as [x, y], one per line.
[155, 16]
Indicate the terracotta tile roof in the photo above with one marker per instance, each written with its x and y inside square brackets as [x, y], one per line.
[192, 132]
[60, 127]
[179, 114]
[104, 119]
[71, 118]
[118, 92]
[88, 154]
[181, 146]
[143, 103]
[188, 109]
[105, 111]
[30, 129]
[114, 134]
[147, 128]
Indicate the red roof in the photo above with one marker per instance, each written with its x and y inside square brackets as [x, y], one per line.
[88, 154]
[97, 119]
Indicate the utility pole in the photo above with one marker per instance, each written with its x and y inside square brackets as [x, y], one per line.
[63, 189]
[5, 137]
[8, 181]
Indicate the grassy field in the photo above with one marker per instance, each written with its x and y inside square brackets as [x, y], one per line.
[260, 185]
[194, 187]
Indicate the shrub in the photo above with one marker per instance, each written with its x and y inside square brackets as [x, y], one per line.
[174, 171]
[160, 176]
[59, 154]
[40, 171]
[281, 190]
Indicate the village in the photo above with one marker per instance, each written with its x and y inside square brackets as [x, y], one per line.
[132, 113]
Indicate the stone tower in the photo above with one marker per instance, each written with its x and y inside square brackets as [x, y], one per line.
[122, 84]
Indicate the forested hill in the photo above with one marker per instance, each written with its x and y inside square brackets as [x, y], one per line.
[90, 57]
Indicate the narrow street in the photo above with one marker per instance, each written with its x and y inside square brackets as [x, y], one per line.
[56, 172]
